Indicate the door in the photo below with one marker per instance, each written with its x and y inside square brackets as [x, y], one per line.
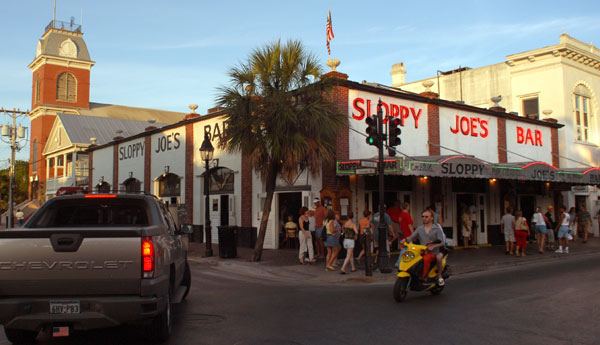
[214, 206]
[482, 236]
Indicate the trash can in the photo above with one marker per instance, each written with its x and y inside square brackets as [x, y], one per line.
[246, 237]
[198, 234]
[227, 241]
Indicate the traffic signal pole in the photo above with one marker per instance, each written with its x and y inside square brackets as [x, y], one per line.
[384, 256]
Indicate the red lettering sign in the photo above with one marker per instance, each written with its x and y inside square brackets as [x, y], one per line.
[529, 137]
[362, 108]
[472, 126]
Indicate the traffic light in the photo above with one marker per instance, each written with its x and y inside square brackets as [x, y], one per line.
[372, 133]
[394, 132]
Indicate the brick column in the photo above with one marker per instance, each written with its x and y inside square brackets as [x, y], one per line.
[555, 153]
[246, 191]
[115, 177]
[189, 171]
[339, 97]
[147, 163]
[433, 130]
[90, 171]
[502, 154]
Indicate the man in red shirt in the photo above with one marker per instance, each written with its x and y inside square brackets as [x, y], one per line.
[406, 222]
[394, 212]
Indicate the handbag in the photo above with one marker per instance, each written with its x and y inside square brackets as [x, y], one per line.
[324, 231]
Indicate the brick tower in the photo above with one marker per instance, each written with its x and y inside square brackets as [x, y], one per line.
[61, 84]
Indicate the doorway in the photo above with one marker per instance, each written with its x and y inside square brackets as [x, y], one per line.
[527, 206]
[288, 204]
[474, 206]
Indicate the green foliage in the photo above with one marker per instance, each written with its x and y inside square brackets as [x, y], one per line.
[279, 113]
[20, 188]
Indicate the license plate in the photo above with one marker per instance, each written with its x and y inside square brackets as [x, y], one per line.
[71, 307]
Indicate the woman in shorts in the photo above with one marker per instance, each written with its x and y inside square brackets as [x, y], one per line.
[350, 235]
[540, 228]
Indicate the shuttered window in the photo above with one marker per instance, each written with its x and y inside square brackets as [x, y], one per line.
[582, 113]
[66, 88]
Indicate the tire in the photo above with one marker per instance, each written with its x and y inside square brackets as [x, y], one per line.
[18, 336]
[187, 280]
[400, 289]
[159, 329]
[436, 290]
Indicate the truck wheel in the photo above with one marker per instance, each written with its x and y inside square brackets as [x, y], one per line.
[400, 289]
[187, 280]
[19, 336]
[160, 328]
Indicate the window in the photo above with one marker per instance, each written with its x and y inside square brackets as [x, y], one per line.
[69, 167]
[34, 158]
[66, 88]
[531, 108]
[37, 90]
[582, 113]
[169, 185]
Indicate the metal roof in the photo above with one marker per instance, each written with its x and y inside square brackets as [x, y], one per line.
[131, 113]
[80, 129]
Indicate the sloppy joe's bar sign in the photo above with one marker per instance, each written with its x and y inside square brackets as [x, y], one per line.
[459, 166]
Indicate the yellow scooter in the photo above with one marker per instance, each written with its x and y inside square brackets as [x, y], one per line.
[410, 272]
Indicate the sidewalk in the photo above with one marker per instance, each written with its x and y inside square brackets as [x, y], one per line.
[283, 263]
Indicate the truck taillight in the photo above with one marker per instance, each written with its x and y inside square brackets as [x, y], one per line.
[147, 258]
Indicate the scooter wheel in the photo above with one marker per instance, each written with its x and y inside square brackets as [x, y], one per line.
[436, 290]
[400, 289]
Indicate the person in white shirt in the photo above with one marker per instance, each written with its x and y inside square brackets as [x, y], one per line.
[507, 227]
[541, 231]
[562, 231]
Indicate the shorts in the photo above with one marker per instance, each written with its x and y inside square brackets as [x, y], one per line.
[509, 236]
[583, 227]
[348, 244]
[563, 231]
[332, 241]
[466, 233]
[541, 229]
[319, 231]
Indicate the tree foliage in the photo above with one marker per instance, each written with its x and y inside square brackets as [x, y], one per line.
[20, 188]
[280, 115]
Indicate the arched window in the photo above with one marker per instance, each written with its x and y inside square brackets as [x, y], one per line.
[34, 157]
[66, 88]
[582, 112]
[169, 185]
[132, 185]
[221, 180]
[103, 187]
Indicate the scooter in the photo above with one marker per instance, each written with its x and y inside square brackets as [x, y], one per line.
[410, 272]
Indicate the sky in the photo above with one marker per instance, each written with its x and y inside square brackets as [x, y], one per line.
[169, 54]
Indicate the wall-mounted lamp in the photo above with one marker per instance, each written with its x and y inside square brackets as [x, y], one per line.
[492, 180]
[424, 178]
[166, 171]
[101, 181]
[130, 174]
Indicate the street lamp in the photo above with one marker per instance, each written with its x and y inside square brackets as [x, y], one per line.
[206, 153]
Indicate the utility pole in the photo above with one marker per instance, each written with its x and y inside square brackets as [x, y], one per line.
[14, 133]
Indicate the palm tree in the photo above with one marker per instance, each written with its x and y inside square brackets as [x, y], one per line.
[279, 115]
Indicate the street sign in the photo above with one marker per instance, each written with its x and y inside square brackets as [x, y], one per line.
[368, 164]
[365, 171]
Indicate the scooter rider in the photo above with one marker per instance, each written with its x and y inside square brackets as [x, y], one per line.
[432, 236]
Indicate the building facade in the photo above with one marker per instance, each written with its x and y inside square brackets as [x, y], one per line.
[560, 81]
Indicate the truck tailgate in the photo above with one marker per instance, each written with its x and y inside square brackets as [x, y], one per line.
[70, 262]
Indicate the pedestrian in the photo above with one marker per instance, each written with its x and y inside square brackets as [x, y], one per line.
[391, 234]
[406, 222]
[305, 238]
[291, 230]
[319, 214]
[20, 217]
[583, 222]
[562, 231]
[466, 227]
[350, 235]
[572, 222]
[437, 218]
[395, 212]
[365, 229]
[507, 227]
[338, 234]
[541, 230]
[550, 225]
[311, 227]
[521, 233]
[332, 243]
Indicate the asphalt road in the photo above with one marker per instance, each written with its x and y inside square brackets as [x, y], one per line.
[546, 303]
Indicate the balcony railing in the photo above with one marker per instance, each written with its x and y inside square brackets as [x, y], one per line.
[69, 26]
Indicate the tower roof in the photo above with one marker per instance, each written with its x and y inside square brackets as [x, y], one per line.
[63, 39]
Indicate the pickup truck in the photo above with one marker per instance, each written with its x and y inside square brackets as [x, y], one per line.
[90, 261]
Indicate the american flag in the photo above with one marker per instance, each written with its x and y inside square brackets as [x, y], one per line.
[329, 32]
[60, 331]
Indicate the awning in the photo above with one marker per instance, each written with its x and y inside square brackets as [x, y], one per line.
[466, 166]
